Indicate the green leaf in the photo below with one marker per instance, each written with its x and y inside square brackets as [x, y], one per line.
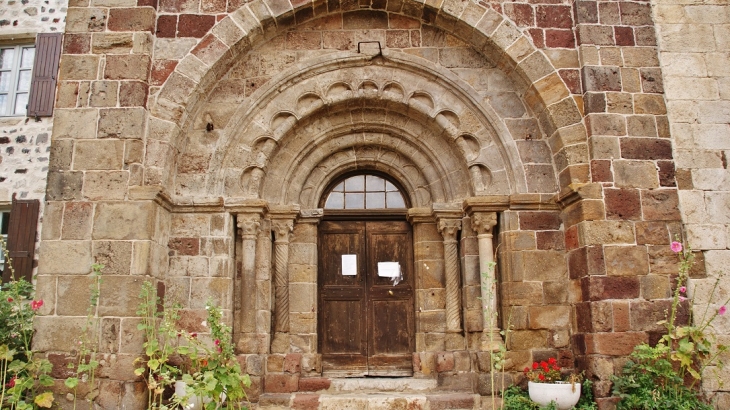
[139, 371]
[153, 364]
[72, 382]
[44, 400]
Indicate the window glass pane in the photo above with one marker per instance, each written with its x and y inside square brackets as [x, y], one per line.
[390, 187]
[21, 101]
[23, 80]
[5, 223]
[374, 183]
[354, 201]
[395, 200]
[3, 104]
[6, 58]
[27, 56]
[339, 188]
[374, 200]
[5, 81]
[356, 183]
[336, 200]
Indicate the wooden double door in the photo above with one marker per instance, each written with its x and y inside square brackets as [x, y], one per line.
[366, 316]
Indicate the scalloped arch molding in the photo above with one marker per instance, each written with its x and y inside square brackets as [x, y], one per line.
[394, 113]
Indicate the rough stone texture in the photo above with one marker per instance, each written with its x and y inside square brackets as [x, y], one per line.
[210, 110]
[696, 82]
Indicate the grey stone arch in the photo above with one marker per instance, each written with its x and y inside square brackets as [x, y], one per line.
[173, 110]
[303, 102]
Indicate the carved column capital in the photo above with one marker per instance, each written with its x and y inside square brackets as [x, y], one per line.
[449, 228]
[248, 225]
[483, 222]
[282, 229]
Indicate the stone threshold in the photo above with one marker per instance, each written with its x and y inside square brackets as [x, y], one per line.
[370, 401]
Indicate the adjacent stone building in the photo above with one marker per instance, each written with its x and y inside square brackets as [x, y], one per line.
[25, 32]
[269, 155]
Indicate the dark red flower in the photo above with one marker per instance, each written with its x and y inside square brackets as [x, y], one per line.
[10, 300]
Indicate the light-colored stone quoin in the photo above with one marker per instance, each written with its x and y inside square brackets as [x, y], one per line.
[194, 144]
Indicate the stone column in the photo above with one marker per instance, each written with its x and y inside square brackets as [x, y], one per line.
[449, 228]
[282, 229]
[248, 227]
[483, 223]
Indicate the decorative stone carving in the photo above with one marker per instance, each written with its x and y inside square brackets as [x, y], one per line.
[282, 229]
[449, 228]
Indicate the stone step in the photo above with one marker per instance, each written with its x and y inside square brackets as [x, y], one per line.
[370, 401]
[381, 384]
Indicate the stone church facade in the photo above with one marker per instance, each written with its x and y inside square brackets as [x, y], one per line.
[197, 144]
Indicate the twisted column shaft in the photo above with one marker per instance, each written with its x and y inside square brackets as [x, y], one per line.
[282, 229]
[449, 229]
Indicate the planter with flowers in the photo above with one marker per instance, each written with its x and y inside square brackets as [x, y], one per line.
[546, 384]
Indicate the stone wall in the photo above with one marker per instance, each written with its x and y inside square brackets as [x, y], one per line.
[188, 134]
[694, 51]
[25, 142]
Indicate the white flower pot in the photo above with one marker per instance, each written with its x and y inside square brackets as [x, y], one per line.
[565, 394]
[194, 402]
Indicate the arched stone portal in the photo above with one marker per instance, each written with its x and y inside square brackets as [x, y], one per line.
[466, 144]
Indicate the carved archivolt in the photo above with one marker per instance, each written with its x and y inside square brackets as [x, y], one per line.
[391, 116]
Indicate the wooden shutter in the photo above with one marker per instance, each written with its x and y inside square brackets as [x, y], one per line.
[45, 71]
[21, 238]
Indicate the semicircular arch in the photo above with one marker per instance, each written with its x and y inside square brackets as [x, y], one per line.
[485, 30]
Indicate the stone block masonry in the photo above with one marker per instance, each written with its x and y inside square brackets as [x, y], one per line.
[188, 135]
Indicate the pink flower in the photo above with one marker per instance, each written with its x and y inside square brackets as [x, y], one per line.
[722, 310]
[36, 304]
[683, 289]
[676, 247]
[217, 342]
[682, 298]
[11, 383]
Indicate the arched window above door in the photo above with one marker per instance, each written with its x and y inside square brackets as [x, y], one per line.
[365, 191]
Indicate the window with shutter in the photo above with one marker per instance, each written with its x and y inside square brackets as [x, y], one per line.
[45, 73]
[22, 225]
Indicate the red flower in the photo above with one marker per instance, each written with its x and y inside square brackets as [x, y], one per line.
[541, 377]
[552, 360]
[555, 367]
[217, 342]
[527, 369]
[544, 366]
[10, 300]
[193, 335]
[36, 304]
[535, 365]
[11, 383]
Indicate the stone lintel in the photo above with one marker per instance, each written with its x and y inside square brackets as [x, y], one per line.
[247, 206]
[576, 192]
[487, 203]
[519, 202]
[420, 215]
[283, 211]
[310, 216]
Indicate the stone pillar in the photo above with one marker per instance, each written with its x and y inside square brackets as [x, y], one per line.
[282, 228]
[483, 223]
[449, 228]
[248, 224]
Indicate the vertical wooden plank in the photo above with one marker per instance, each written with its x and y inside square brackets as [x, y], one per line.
[45, 71]
[21, 238]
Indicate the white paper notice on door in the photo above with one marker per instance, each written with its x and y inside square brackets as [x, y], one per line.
[349, 265]
[389, 269]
